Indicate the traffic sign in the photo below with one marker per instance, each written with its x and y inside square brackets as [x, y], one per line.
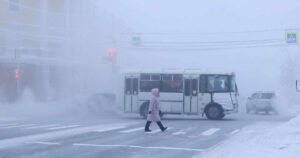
[136, 40]
[291, 37]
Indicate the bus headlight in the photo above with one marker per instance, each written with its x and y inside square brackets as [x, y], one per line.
[234, 106]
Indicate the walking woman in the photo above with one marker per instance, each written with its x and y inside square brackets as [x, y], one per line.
[154, 109]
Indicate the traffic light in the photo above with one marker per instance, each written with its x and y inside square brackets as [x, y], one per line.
[111, 52]
[17, 74]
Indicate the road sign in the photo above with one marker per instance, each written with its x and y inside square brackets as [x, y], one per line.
[136, 40]
[291, 37]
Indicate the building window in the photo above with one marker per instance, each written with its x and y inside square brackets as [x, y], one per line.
[14, 5]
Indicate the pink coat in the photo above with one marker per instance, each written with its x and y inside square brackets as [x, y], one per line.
[154, 106]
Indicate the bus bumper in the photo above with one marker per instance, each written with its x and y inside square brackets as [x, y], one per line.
[230, 111]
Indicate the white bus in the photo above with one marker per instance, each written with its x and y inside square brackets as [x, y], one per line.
[181, 92]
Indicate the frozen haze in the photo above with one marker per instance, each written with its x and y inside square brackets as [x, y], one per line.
[256, 68]
[169, 30]
[66, 95]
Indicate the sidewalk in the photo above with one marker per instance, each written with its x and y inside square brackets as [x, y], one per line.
[263, 140]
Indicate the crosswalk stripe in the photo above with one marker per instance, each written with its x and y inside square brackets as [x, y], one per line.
[132, 130]
[158, 130]
[183, 131]
[45, 143]
[234, 132]
[63, 127]
[5, 125]
[18, 126]
[138, 147]
[178, 133]
[51, 135]
[210, 131]
[42, 126]
[110, 128]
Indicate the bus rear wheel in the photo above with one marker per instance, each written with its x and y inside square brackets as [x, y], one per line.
[214, 112]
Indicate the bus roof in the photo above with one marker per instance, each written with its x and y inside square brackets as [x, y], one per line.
[173, 71]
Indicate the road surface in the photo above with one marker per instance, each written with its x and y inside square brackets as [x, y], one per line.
[119, 136]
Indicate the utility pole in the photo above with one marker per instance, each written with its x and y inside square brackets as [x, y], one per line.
[17, 74]
[114, 59]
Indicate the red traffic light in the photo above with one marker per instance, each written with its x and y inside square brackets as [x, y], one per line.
[111, 52]
[17, 74]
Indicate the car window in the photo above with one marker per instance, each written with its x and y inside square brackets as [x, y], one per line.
[262, 96]
[255, 96]
[267, 95]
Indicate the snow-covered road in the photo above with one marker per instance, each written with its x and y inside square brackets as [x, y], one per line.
[123, 136]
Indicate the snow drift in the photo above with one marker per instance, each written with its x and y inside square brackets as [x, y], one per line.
[263, 140]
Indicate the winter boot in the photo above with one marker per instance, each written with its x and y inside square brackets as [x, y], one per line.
[162, 128]
[147, 126]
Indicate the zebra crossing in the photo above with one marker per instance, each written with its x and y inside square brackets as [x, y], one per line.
[210, 131]
[188, 132]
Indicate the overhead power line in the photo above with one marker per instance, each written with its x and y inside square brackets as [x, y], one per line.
[209, 33]
[201, 44]
[207, 42]
[160, 49]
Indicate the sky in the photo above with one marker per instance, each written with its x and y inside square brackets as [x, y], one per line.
[173, 33]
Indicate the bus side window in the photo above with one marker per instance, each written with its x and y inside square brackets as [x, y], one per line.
[135, 86]
[187, 87]
[202, 85]
[145, 77]
[128, 86]
[194, 87]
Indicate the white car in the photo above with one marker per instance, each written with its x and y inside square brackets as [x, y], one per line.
[262, 102]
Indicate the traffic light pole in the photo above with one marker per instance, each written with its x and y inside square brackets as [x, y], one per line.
[17, 75]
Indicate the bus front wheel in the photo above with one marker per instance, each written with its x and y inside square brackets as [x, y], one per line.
[214, 111]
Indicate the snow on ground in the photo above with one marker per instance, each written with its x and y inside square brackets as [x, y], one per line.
[28, 107]
[262, 140]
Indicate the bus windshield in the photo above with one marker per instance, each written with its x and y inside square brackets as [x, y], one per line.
[220, 83]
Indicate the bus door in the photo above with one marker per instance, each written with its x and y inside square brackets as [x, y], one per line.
[131, 94]
[190, 95]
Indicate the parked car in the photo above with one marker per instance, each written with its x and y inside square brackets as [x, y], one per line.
[262, 102]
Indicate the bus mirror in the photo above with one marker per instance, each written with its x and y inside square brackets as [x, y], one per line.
[298, 85]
